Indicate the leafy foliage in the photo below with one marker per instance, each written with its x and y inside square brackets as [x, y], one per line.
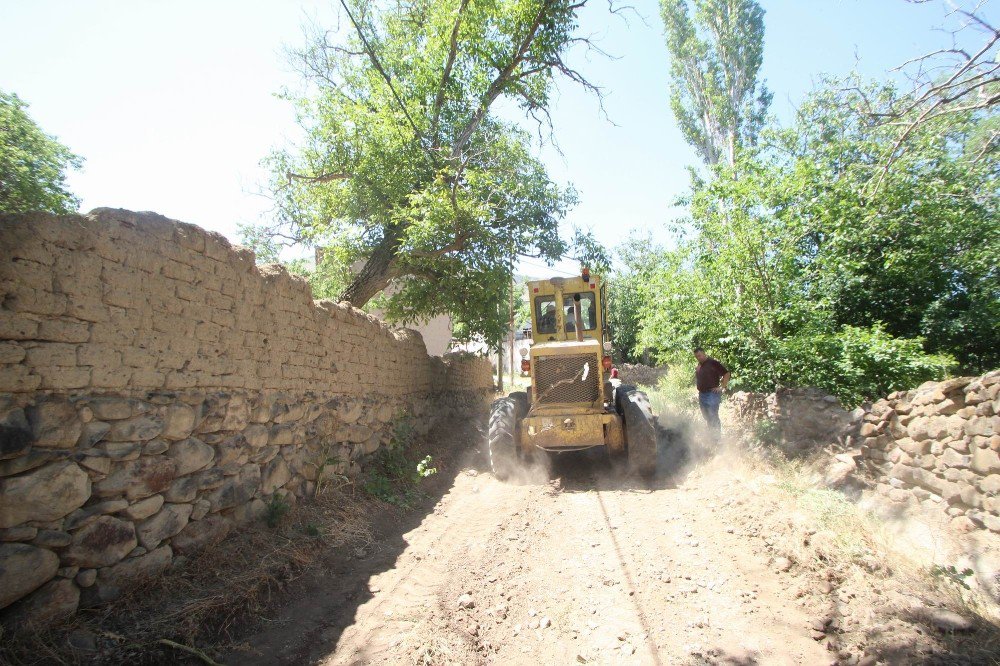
[392, 475]
[259, 238]
[407, 167]
[715, 56]
[953, 575]
[328, 278]
[33, 164]
[802, 265]
[590, 252]
[627, 286]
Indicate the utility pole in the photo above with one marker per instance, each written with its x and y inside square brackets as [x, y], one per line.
[510, 331]
[499, 359]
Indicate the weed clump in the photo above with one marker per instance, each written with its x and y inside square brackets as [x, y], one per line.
[394, 472]
[276, 510]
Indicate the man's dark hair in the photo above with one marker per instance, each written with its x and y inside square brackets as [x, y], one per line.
[698, 349]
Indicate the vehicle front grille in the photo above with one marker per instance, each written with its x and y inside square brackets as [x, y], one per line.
[567, 378]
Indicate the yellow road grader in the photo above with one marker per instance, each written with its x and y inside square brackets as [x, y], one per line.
[573, 403]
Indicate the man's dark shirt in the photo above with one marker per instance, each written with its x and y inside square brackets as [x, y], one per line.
[708, 374]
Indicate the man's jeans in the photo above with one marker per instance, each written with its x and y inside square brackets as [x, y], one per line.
[709, 402]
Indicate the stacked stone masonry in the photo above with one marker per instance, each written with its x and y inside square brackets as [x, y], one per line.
[939, 444]
[157, 390]
[804, 416]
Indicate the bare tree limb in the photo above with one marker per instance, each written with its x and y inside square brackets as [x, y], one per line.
[322, 178]
[969, 73]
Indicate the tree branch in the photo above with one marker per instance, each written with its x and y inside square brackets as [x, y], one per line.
[452, 53]
[498, 83]
[381, 70]
[322, 178]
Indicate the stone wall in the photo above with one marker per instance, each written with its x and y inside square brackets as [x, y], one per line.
[157, 389]
[939, 444]
[803, 417]
[641, 375]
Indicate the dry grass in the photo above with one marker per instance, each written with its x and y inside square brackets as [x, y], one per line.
[836, 539]
[216, 593]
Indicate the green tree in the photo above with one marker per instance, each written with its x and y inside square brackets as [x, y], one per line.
[917, 252]
[590, 252]
[408, 167]
[715, 58]
[628, 289]
[261, 239]
[798, 271]
[33, 164]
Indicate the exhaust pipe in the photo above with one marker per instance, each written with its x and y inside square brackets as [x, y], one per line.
[577, 318]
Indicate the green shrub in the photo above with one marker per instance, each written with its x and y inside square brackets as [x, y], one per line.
[675, 391]
[953, 575]
[767, 433]
[872, 364]
[276, 510]
[392, 475]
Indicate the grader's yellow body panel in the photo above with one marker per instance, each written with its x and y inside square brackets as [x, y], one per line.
[572, 403]
[569, 401]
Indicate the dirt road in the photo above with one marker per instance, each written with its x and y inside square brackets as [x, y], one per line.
[710, 565]
[591, 568]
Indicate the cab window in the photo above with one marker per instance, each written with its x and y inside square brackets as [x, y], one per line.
[588, 311]
[545, 314]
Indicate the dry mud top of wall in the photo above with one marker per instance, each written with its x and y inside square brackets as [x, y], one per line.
[124, 301]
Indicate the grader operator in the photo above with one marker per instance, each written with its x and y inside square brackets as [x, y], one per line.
[572, 403]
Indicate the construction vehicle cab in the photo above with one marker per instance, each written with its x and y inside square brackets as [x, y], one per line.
[572, 403]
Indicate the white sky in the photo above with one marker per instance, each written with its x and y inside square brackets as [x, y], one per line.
[172, 103]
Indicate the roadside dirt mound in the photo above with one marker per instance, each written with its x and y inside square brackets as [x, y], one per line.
[641, 375]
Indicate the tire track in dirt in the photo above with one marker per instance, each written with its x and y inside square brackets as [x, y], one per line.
[712, 566]
[405, 593]
[611, 575]
[604, 571]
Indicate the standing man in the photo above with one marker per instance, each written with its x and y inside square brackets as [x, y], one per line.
[711, 378]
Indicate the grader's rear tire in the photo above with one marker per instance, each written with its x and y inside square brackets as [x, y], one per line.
[640, 430]
[505, 416]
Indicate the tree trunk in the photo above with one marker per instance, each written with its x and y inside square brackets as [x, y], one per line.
[375, 275]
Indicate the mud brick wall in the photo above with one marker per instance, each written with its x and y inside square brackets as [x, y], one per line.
[157, 390]
[939, 445]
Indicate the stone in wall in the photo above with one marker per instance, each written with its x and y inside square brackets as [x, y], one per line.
[24, 568]
[44, 494]
[935, 446]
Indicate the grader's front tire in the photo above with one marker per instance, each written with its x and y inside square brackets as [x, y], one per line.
[505, 416]
[640, 430]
